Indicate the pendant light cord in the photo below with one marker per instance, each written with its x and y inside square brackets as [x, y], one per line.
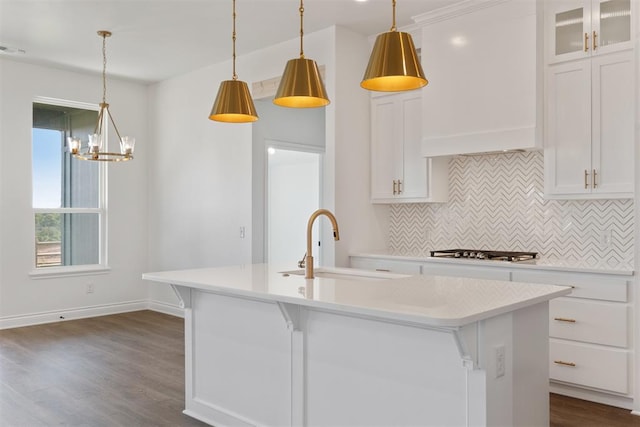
[301, 29]
[393, 24]
[104, 106]
[233, 37]
[104, 68]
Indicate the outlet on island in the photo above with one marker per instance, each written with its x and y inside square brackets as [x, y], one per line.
[500, 361]
[90, 288]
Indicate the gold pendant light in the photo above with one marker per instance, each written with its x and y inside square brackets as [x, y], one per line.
[394, 64]
[233, 103]
[98, 139]
[301, 85]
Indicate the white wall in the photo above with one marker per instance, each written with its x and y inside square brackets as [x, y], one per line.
[199, 180]
[305, 126]
[23, 299]
[182, 202]
[200, 198]
[363, 226]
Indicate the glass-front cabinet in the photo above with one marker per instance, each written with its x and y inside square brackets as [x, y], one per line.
[579, 28]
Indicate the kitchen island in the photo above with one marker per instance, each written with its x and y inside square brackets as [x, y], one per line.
[267, 348]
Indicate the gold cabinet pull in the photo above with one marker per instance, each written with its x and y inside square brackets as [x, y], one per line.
[399, 187]
[564, 319]
[586, 42]
[594, 42]
[586, 182]
[386, 270]
[395, 183]
[563, 363]
[595, 183]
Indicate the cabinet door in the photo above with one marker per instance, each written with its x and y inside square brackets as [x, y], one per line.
[414, 165]
[384, 143]
[613, 124]
[568, 29]
[611, 26]
[567, 153]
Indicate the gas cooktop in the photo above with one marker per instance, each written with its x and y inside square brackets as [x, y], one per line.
[485, 254]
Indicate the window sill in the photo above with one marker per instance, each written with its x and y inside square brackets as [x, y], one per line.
[81, 270]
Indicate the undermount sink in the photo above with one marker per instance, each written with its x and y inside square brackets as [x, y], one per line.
[347, 274]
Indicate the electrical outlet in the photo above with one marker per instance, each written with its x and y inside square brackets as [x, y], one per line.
[242, 232]
[606, 237]
[500, 361]
[90, 288]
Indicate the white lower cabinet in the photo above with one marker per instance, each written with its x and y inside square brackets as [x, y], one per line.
[588, 321]
[386, 265]
[466, 271]
[590, 331]
[587, 365]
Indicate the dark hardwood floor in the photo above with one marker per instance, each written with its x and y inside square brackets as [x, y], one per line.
[128, 370]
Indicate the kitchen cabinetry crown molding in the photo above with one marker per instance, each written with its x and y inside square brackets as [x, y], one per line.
[454, 10]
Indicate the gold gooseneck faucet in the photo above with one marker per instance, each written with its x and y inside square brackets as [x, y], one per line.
[307, 261]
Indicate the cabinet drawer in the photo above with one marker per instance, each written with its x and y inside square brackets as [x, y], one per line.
[589, 321]
[584, 286]
[589, 365]
[466, 271]
[378, 264]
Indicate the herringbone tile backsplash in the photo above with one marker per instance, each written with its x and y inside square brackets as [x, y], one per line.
[496, 202]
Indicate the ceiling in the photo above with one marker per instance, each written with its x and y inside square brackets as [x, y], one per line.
[157, 39]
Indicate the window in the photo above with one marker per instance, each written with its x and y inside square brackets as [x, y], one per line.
[68, 194]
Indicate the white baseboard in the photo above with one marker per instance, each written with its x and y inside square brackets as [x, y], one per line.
[76, 313]
[166, 308]
[591, 395]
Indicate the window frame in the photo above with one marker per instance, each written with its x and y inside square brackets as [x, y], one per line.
[71, 270]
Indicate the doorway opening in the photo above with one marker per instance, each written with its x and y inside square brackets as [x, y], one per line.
[294, 177]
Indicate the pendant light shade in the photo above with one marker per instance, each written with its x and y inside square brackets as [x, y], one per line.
[233, 103]
[301, 85]
[394, 64]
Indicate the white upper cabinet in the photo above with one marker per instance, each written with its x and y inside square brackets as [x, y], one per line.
[589, 108]
[589, 144]
[582, 28]
[484, 66]
[399, 172]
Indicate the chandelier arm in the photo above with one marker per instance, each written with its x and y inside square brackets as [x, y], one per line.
[113, 123]
[99, 121]
[301, 28]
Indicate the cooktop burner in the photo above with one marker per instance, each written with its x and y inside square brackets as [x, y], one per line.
[485, 254]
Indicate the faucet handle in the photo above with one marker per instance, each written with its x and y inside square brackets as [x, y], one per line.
[301, 263]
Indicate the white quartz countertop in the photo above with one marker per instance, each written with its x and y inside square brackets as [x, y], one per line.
[428, 300]
[549, 264]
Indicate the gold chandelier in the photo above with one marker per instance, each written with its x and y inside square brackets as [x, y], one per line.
[98, 139]
[394, 64]
[233, 103]
[301, 85]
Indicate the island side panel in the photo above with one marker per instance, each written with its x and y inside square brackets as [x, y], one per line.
[368, 372]
[241, 362]
[531, 365]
